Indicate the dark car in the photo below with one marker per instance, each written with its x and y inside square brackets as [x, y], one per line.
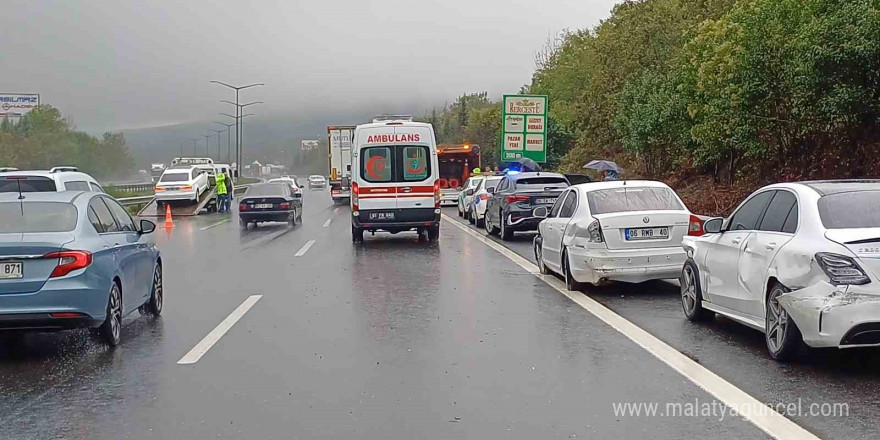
[512, 202]
[270, 202]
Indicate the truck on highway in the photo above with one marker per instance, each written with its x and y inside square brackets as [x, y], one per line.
[456, 163]
[339, 143]
[156, 171]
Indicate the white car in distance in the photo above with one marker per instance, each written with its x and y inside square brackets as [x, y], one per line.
[466, 196]
[181, 183]
[797, 261]
[317, 181]
[477, 209]
[627, 231]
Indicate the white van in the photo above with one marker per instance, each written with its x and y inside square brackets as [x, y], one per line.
[394, 179]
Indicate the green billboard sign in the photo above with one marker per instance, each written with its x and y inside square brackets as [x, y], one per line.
[524, 127]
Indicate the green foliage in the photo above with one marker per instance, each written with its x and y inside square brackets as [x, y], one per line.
[43, 139]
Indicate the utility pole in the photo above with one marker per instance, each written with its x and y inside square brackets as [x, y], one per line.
[228, 135]
[238, 152]
[218, 142]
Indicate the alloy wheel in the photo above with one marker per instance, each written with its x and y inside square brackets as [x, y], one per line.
[115, 310]
[689, 290]
[157, 288]
[777, 322]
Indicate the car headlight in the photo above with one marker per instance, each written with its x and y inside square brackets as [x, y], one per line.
[841, 270]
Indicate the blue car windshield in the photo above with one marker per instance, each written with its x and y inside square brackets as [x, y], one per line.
[30, 217]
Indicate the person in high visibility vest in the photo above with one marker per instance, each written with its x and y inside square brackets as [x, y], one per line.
[476, 170]
[222, 194]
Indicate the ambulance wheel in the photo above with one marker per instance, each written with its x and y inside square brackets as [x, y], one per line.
[357, 234]
[433, 232]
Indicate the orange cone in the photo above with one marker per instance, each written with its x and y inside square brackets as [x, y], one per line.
[169, 222]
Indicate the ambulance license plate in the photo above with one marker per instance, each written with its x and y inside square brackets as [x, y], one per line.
[381, 216]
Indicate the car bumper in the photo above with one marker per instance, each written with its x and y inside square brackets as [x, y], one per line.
[166, 196]
[84, 294]
[522, 221]
[317, 185]
[265, 216]
[835, 316]
[340, 194]
[632, 266]
[405, 219]
[450, 199]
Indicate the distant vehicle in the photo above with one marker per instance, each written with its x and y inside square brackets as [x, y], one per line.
[797, 261]
[186, 182]
[74, 259]
[316, 181]
[294, 185]
[156, 171]
[339, 142]
[466, 195]
[270, 202]
[577, 179]
[477, 213]
[56, 179]
[395, 174]
[511, 204]
[623, 231]
[456, 162]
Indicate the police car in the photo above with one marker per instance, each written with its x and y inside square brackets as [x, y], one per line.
[394, 179]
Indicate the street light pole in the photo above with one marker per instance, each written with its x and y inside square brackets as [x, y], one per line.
[238, 123]
[194, 145]
[228, 135]
[207, 136]
[238, 153]
[239, 110]
[218, 142]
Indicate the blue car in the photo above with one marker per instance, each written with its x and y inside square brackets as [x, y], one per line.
[75, 259]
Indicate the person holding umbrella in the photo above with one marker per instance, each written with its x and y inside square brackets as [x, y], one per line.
[608, 170]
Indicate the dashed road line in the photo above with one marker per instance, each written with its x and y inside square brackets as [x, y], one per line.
[302, 251]
[327, 223]
[205, 344]
[214, 225]
[774, 424]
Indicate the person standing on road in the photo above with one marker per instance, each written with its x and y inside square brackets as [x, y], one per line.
[230, 190]
[222, 196]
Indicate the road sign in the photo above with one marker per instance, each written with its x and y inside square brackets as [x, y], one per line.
[524, 127]
[308, 145]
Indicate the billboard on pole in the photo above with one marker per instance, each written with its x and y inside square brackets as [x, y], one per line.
[16, 105]
[524, 127]
[309, 145]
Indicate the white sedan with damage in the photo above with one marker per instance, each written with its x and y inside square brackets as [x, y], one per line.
[622, 231]
[797, 261]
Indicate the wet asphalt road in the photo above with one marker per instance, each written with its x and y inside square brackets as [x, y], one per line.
[393, 339]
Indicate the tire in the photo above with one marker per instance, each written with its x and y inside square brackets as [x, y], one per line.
[781, 334]
[433, 233]
[357, 234]
[478, 222]
[692, 294]
[490, 230]
[506, 232]
[460, 213]
[293, 219]
[111, 330]
[570, 283]
[539, 257]
[154, 305]
[243, 224]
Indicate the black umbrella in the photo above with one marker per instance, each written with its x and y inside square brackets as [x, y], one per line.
[603, 165]
[527, 164]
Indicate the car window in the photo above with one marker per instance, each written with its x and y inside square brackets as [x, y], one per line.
[502, 186]
[27, 184]
[746, 217]
[105, 218]
[491, 183]
[778, 211]
[35, 217]
[76, 185]
[628, 199]
[175, 177]
[851, 209]
[791, 222]
[569, 205]
[93, 219]
[554, 211]
[194, 174]
[96, 187]
[539, 183]
[376, 164]
[122, 217]
[415, 163]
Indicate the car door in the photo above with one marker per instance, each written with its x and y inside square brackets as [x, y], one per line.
[775, 229]
[376, 190]
[493, 208]
[724, 250]
[554, 228]
[132, 257]
[414, 167]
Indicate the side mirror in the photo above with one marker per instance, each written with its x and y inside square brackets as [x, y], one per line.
[470, 192]
[540, 212]
[147, 227]
[713, 225]
[490, 190]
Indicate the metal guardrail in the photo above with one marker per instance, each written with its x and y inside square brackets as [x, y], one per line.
[129, 201]
[132, 187]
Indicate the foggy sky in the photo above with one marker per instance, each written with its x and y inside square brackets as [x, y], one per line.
[114, 64]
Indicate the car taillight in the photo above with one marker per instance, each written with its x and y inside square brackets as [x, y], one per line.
[595, 232]
[354, 195]
[69, 261]
[436, 193]
[186, 188]
[285, 206]
[841, 270]
[159, 189]
[516, 198]
[484, 197]
[242, 207]
[695, 226]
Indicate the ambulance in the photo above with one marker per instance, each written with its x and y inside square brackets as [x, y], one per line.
[395, 179]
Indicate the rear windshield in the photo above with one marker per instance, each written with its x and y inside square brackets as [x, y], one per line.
[398, 163]
[271, 189]
[539, 183]
[608, 201]
[16, 217]
[175, 177]
[492, 183]
[858, 209]
[28, 184]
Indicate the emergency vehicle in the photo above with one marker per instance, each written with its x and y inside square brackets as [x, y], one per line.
[456, 163]
[395, 175]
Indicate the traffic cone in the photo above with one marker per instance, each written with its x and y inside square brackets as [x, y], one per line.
[169, 222]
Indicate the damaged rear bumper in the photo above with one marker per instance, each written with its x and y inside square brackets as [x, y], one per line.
[835, 316]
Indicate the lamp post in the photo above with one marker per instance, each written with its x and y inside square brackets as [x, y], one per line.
[239, 110]
[238, 153]
[238, 122]
[228, 148]
[207, 136]
[194, 145]
[218, 141]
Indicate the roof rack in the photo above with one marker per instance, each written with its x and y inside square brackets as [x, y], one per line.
[386, 118]
[62, 169]
[7, 169]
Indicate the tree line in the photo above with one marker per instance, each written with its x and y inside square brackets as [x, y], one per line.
[43, 138]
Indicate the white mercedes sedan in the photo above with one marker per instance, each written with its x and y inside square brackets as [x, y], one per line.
[623, 231]
[797, 261]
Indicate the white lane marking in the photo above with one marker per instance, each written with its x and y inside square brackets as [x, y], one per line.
[327, 223]
[205, 344]
[302, 251]
[336, 209]
[771, 422]
[214, 225]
